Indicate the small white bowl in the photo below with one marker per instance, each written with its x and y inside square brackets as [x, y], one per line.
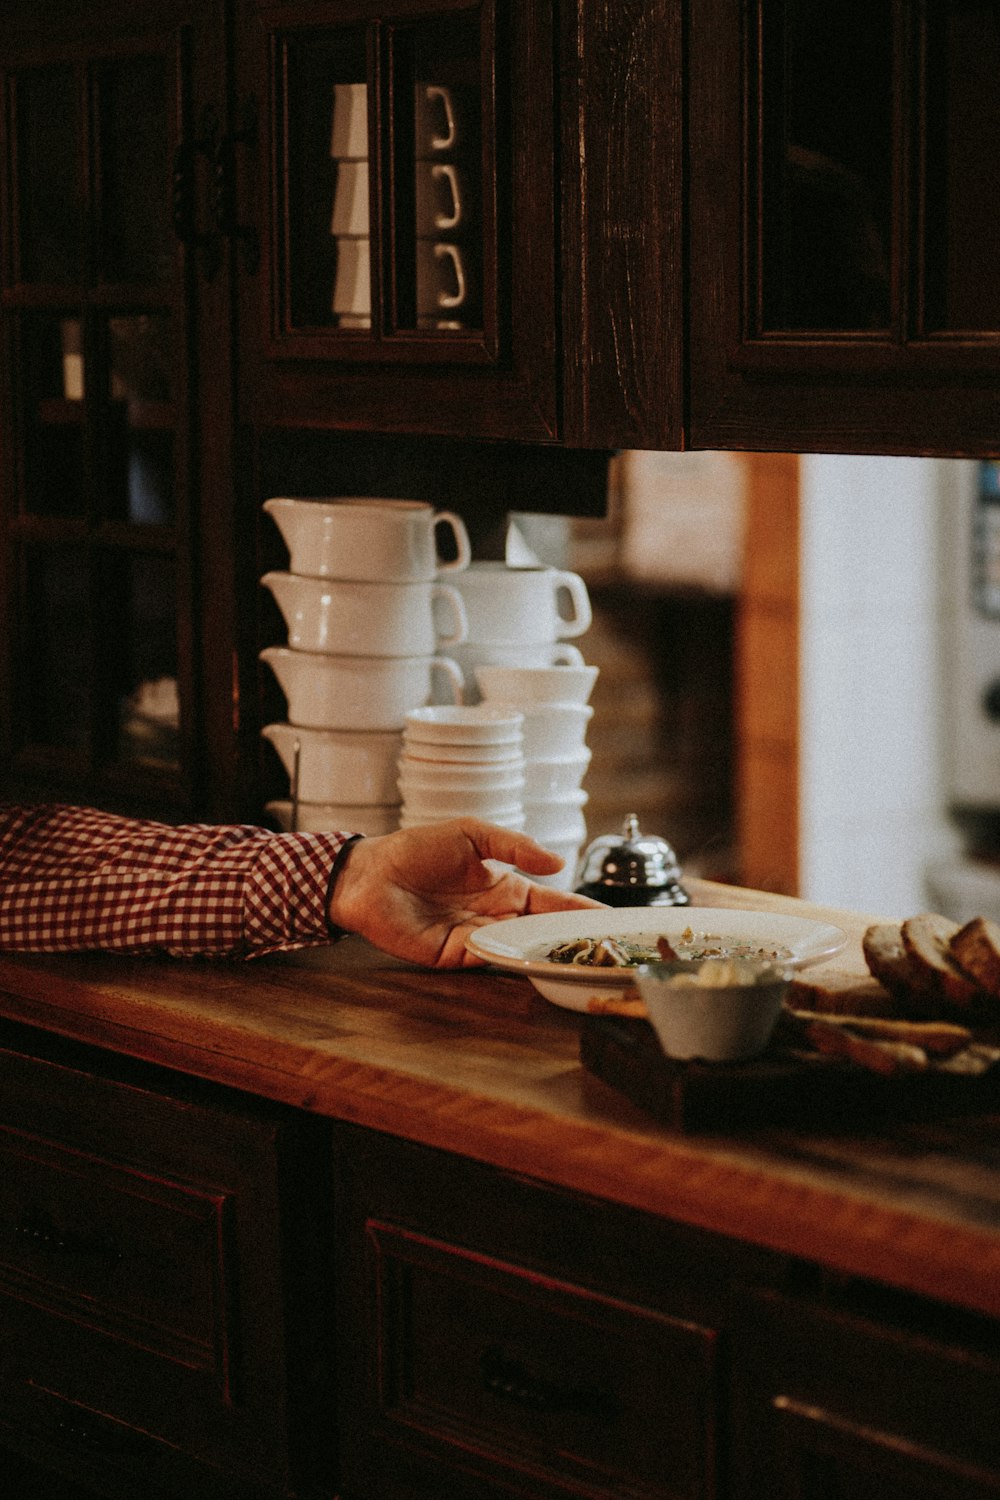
[331, 817]
[513, 821]
[435, 753]
[457, 802]
[465, 724]
[456, 776]
[725, 1022]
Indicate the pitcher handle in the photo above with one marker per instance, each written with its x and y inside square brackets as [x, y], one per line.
[582, 616]
[566, 655]
[453, 672]
[460, 620]
[463, 547]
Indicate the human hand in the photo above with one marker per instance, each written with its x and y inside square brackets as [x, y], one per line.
[419, 892]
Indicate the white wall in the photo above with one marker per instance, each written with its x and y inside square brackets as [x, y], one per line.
[872, 805]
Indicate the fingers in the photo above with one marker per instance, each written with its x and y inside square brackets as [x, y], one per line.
[511, 848]
[542, 898]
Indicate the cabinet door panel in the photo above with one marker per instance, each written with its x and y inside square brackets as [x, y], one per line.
[405, 162]
[830, 1404]
[844, 290]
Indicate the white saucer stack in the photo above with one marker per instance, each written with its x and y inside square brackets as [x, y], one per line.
[553, 704]
[367, 614]
[462, 761]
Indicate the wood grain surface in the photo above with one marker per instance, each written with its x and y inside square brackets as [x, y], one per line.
[475, 1062]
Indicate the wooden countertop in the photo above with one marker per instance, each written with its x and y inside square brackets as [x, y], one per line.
[477, 1063]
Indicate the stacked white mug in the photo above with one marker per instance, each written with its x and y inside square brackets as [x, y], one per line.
[519, 616]
[366, 614]
[462, 761]
[553, 704]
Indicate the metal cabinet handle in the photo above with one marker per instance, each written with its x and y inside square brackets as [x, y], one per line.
[511, 1380]
[39, 1232]
[183, 210]
[226, 218]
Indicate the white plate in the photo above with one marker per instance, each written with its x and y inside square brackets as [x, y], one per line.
[522, 943]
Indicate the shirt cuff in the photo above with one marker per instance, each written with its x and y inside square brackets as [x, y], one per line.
[287, 891]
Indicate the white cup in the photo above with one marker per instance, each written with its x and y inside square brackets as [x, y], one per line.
[521, 606]
[356, 692]
[350, 199]
[352, 287]
[556, 820]
[349, 124]
[443, 281]
[346, 766]
[388, 541]
[569, 850]
[554, 731]
[471, 655]
[528, 684]
[437, 126]
[331, 817]
[439, 198]
[555, 777]
[349, 618]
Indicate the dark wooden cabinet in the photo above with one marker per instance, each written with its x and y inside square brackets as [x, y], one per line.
[501, 1337]
[112, 450]
[163, 1322]
[404, 175]
[838, 1402]
[843, 257]
[205, 1294]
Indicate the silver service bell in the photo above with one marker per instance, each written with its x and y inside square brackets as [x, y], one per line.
[632, 869]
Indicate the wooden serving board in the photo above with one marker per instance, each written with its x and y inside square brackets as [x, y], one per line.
[784, 1086]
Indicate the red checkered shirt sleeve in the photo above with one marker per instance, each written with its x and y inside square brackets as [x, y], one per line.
[72, 878]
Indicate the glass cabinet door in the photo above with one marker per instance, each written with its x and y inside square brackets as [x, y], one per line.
[844, 286]
[382, 131]
[405, 181]
[95, 483]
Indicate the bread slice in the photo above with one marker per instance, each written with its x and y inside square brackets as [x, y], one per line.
[976, 949]
[887, 959]
[927, 941]
[838, 992]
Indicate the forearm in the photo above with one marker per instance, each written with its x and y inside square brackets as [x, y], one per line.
[75, 879]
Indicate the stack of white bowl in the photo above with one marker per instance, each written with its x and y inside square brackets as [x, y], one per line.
[462, 762]
[366, 614]
[553, 704]
[519, 616]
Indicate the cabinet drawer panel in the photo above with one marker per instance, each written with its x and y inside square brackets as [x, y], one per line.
[140, 1270]
[551, 1379]
[134, 1255]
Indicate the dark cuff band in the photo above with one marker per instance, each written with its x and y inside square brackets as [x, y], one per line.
[340, 860]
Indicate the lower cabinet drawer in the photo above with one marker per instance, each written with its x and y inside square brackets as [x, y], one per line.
[142, 1311]
[550, 1381]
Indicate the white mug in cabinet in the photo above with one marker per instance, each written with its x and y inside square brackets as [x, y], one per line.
[350, 200]
[349, 125]
[439, 197]
[352, 290]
